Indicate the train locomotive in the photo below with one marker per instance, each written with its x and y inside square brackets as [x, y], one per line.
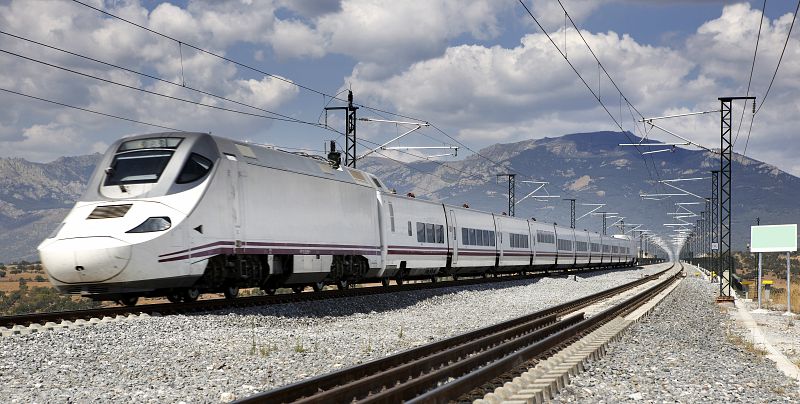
[179, 214]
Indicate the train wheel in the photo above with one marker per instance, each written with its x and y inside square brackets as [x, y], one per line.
[318, 286]
[129, 300]
[270, 290]
[174, 297]
[455, 277]
[385, 282]
[190, 294]
[398, 280]
[231, 292]
[298, 289]
[434, 279]
[342, 284]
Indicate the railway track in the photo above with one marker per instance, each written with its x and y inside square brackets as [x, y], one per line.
[449, 369]
[253, 301]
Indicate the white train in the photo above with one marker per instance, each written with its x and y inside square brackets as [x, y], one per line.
[179, 214]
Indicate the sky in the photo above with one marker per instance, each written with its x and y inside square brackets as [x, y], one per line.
[482, 72]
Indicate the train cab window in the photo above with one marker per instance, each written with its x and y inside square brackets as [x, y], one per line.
[430, 234]
[196, 167]
[421, 232]
[137, 167]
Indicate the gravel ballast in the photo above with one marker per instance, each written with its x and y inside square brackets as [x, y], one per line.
[221, 356]
[688, 350]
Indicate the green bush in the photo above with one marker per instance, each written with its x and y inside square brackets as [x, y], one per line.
[39, 278]
[39, 299]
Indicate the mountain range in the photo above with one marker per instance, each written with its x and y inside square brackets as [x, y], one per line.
[590, 167]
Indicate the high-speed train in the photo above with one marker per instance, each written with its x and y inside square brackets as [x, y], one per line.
[180, 214]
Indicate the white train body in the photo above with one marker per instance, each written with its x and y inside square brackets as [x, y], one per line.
[170, 212]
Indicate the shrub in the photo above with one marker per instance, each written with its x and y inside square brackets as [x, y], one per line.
[39, 299]
[39, 278]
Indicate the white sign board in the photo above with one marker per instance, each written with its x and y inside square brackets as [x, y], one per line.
[773, 238]
[715, 246]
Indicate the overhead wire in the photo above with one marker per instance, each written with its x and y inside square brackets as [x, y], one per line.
[752, 68]
[197, 103]
[153, 77]
[588, 87]
[764, 98]
[374, 109]
[91, 111]
[243, 65]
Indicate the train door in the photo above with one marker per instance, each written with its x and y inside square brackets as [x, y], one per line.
[532, 245]
[500, 237]
[454, 231]
[555, 233]
[235, 179]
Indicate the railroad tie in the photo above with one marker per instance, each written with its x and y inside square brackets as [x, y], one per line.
[544, 381]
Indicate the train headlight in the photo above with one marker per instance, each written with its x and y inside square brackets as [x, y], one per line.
[160, 223]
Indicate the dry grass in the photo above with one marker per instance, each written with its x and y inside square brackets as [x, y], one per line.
[14, 286]
[745, 344]
[778, 298]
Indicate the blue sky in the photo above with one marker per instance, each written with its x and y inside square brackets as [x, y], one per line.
[479, 70]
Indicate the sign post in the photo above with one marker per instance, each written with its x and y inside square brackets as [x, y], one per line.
[775, 238]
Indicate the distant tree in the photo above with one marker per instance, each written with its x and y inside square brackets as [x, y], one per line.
[2, 273]
[23, 282]
[39, 278]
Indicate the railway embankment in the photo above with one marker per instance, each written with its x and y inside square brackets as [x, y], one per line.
[235, 353]
[689, 349]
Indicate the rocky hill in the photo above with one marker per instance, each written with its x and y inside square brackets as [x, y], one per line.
[591, 167]
[34, 198]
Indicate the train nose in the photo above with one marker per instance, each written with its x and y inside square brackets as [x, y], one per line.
[86, 259]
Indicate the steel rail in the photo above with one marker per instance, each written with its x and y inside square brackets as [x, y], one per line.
[504, 365]
[253, 301]
[403, 375]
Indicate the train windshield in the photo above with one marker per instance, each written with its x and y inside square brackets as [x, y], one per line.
[141, 161]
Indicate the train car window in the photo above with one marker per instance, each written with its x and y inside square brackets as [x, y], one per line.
[595, 247]
[491, 238]
[565, 245]
[545, 237]
[526, 243]
[430, 234]
[409, 229]
[465, 235]
[137, 167]
[486, 238]
[478, 237]
[440, 234]
[391, 216]
[421, 232]
[472, 237]
[196, 167]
